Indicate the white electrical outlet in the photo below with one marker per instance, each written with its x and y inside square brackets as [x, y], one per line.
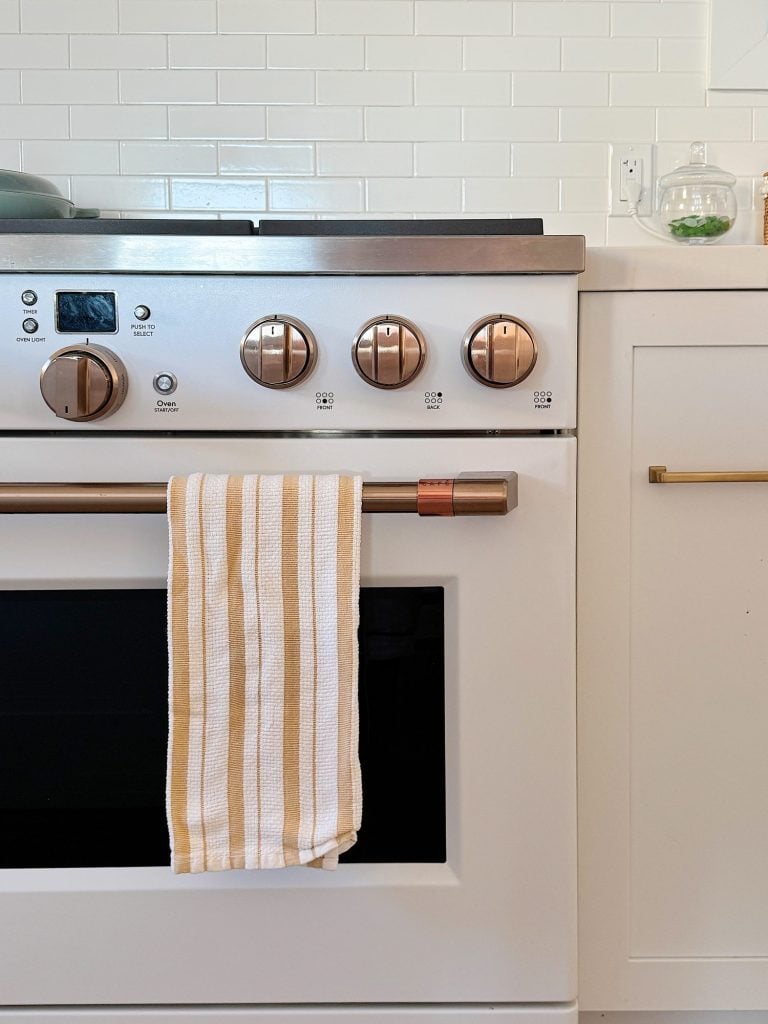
[631, 162]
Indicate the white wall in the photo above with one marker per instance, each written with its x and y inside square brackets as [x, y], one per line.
[353, 107]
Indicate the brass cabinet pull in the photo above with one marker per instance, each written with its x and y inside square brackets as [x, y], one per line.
[492, 494]
[659, 475]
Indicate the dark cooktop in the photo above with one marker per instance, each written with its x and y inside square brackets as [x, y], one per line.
[273, 228]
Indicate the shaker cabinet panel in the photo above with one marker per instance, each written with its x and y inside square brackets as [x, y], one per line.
[673, 671]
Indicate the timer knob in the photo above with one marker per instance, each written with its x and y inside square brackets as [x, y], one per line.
[278, 351]
[499, 351]
[389, 351]
[84, 382]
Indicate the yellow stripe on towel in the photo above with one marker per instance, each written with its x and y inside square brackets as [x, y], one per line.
[263, 593]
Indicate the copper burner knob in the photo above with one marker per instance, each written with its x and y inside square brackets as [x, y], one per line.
[84, 382]
[499, 351]
[389, 351]
[278, 351]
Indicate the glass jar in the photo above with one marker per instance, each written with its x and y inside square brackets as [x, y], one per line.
[697, 203]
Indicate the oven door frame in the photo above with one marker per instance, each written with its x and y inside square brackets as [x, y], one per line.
[497, 922]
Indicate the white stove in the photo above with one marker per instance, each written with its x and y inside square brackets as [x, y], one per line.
[125, 359]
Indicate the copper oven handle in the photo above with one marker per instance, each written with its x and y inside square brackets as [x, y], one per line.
[659, 475]
[466, 495]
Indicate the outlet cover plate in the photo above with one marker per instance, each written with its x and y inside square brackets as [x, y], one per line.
[632, 151]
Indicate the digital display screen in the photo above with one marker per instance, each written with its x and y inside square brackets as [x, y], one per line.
[86, 313]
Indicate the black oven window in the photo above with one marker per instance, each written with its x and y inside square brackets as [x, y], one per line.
[83, 727]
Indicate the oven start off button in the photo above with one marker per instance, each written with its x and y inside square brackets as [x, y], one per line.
[164, 383]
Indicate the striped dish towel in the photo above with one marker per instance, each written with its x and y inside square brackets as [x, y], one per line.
[263, 590]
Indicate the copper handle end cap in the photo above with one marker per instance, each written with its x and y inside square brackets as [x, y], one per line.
[434, 498]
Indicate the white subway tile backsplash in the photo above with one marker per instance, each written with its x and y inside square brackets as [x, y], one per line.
[414, 195]
[9, 16]
[322, 108]
[737, 99]
[166, 15]
[591, 225]
[365, 87]
[523, 195]
[266, 86]
[607, 124]
[10, 155]
[463, 159]
[560, 159]
[524, 124]
[168, 86]
[265, 158]
[540, 18]
[31, 51]
[506, 53]
[10, 87]
[761, 125]
[314, 194]
[46, 157]
[677, 124]
[68, 16]
[118, 122]
[365, 159]
[335, 53]
[168, 157]
[118, 51]
[664, 89]
[412, 124]
[682, 54]
[561, 89]
[687, 20]
[22, 122]
[462, 88]
[239, 121]
[215, 194]
[610, 54]
[121, 191]
[413, 53]
[203, 51]
[367, 17]
[746, 159]
[584, 195]
[315, 123]
[463, 17]
[69, 86]
[266, 16]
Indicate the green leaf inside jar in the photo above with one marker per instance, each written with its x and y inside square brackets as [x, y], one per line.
[699, 227]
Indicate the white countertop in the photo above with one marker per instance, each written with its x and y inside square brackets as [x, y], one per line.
[675, 268]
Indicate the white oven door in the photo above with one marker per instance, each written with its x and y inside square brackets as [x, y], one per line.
[462, 887]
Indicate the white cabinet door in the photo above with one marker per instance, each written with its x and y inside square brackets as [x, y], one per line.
[673, 670]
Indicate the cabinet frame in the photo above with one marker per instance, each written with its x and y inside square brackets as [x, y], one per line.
[611, 979]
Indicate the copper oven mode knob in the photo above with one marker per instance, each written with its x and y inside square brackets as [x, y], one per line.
[84, 382]
[389, 351]
[499, 351]
[278, 351]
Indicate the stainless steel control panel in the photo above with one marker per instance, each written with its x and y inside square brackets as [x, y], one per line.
[263, 353]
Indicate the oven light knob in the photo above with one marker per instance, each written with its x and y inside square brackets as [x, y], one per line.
[84, 382]
[389, 351]
[278, 351]
[499, 351]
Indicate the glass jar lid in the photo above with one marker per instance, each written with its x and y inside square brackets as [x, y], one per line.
[698, 172]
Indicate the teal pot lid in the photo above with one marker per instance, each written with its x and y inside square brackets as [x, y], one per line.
[31, 184]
